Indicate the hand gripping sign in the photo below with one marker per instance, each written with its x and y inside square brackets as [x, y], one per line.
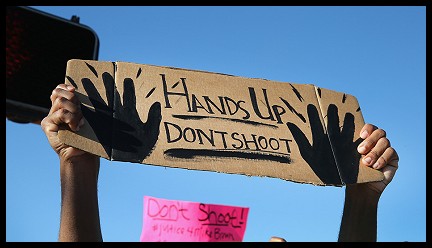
[216, 122]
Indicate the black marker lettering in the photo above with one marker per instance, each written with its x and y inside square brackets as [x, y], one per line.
[278, 114]
[255, 104]
[223, 137]
[254, 141]
[196, 104]
[168, 133]
[192, 136]
[167, 93]
[247, 115]
[287, 145]
[210, 102]
[237, 139]
[210, 139]
[260, 139]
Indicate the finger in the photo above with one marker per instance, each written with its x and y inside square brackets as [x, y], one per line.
[108, 81]
[367, 130]
[129, 97]
[94, 96]
[388, 158]
[333, 121]
[300, 138]
[64, 91]
[315, 122]
[376, 152]
[370, 141]
[348, 129]
[389, 173]
[48, 126]
[66, 87]
[151, 127]
[154, 116]
[68, 115]
[62, 102]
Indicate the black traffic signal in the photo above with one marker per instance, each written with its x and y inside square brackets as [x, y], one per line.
[38, 46]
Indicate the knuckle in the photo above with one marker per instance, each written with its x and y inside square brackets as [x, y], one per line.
[57, 103]
[44, 123]
[381, 161]
[385, 142]
[55, 92]
[62, 113]
[393, 153]
[381, 132]
[63, 101]
[373, 154]
[367, 144]
[369, 126]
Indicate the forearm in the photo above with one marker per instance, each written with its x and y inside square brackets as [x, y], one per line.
[79, 200]
[359, 220]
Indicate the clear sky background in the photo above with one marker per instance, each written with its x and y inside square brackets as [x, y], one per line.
[377, 54]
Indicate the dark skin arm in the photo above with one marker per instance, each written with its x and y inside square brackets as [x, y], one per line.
[79, 171]
[359, 220]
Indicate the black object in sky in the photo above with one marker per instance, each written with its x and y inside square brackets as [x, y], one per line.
[38, 46]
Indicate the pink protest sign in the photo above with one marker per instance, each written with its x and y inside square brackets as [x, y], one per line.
[183, 221]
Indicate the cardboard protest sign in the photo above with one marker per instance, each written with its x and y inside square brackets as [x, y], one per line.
[216, 122]
[184, 221]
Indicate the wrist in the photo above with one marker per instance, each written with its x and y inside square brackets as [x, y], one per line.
[79, 168]
[362, 192]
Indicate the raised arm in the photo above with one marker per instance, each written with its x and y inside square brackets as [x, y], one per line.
[359, 220]
[79, 170]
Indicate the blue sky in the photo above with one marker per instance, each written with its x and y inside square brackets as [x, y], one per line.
[377, 54]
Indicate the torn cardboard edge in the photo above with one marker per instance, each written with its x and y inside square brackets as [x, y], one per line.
[165, 116]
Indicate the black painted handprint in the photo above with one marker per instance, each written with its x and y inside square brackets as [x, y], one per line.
[146, 133]
[345, 150]
[320, 156]
[118, 126]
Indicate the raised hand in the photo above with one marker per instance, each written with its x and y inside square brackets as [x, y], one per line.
[117, 125]
[64, 112]
[379, 154]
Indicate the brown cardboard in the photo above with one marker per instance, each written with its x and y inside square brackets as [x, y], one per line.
[216, 122]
